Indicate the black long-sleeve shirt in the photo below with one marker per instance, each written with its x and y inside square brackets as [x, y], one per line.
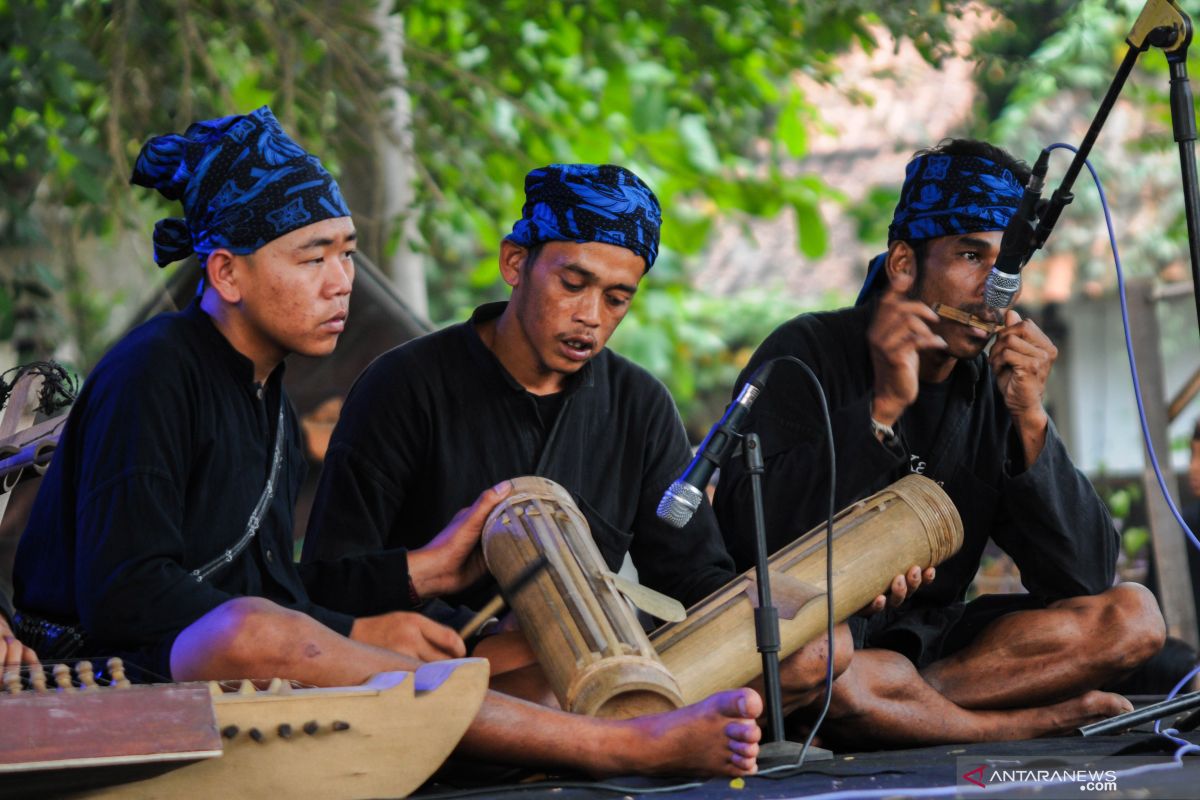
[163, 457]
[1045, 515]
[432, 423]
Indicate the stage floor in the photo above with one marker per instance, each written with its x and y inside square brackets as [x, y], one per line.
[1137, 764]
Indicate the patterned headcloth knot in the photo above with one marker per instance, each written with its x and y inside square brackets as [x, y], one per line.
[242, 181]
[946, 195]
[589, 203]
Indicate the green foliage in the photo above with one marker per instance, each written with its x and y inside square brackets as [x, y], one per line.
[1076, 64]
[697, 97]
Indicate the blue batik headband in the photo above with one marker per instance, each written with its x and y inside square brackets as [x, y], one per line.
[589, 203]
[946, 195]
[242, 181]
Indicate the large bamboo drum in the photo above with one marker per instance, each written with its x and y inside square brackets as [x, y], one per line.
[588, 641]
[911, 522]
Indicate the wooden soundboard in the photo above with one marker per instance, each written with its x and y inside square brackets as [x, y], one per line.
[382, 739]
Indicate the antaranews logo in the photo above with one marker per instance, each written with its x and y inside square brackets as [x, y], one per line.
[1056, 777]
[975, 776]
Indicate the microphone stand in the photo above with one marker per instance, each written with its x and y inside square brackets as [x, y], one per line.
[777, 750]
[1164, 25]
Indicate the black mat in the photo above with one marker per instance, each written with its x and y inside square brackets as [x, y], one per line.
[923, 772]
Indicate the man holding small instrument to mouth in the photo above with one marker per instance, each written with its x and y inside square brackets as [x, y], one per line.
[911, 388]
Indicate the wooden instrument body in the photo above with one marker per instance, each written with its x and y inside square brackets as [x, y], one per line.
[382, 739]
[596, 656]
[911, 522]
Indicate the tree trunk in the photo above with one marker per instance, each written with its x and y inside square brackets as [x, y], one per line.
[395, 170]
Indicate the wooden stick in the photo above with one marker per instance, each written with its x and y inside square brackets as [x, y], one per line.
[950, 312]
[498, 602]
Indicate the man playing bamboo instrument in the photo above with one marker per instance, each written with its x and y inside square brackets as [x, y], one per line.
[527, 387]
[162, 531]
[910, 391]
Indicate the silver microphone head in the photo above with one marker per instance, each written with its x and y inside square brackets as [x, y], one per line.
[1001, 288]
[679, 503]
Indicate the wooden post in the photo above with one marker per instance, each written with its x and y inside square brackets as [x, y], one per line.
[1167, 543]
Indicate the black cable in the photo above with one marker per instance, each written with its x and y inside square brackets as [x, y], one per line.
[493, 791]
[765, 371]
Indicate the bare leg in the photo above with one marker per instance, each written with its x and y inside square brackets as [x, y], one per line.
[802, 674]
[252, 637]
[1034, 657]
[881, 700]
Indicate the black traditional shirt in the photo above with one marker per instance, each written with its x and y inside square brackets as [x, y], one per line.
[434, 422]
[164, 456]
[1045, 515]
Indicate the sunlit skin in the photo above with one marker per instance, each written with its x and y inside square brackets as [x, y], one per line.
[14, 654]
[292, 295]
[564, 308]
[910, 343]
[1028, 673]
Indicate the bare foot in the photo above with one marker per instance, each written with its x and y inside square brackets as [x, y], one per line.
[1089, 707]
[717, 736]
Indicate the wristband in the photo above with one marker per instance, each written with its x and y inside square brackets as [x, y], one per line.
[887, 432]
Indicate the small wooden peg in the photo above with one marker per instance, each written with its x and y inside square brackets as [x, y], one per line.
[62, 677]
[116, 673]
[86, 674]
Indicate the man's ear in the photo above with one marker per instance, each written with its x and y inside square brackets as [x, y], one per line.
[221, 271]
[512, 259]
[901, 266]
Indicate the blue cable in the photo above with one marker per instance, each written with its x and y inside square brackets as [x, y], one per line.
[1137, 385]
[1185, 746]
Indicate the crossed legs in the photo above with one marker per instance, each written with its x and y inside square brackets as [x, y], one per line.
[253, 637]
[1028, 674]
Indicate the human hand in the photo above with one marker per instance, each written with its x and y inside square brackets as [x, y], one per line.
[1021, 360]
[409, 633]
[453, 559]
[12, 653]
[898, 333]
[901, 587]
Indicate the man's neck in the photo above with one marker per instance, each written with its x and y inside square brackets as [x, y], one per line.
[504, 337]
[935, 367]
[232, 326]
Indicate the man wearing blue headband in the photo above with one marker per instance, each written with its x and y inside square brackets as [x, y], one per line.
[910, 391]
[527, 387]
[163, 529]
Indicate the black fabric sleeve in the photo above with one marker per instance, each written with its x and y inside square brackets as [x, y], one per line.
[686, 564]
[129, 548]
[377, 445]
[6, 607]
[1056, 528]
[362, 585]
[788, 419]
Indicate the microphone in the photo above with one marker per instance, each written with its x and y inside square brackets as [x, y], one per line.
[683, 497]
[1004, 281]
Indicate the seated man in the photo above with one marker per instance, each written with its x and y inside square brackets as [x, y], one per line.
[162, 530]
[909, 391]
[527, 387]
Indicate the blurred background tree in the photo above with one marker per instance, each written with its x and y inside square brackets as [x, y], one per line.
[432, 112]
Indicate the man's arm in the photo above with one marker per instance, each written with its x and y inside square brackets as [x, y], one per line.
[390, 580]
[376, 446]
[135, 463]
[1056, 528]
[788, 419]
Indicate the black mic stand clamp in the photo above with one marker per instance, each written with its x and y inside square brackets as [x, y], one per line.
[776, 751]
[1163, 25]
